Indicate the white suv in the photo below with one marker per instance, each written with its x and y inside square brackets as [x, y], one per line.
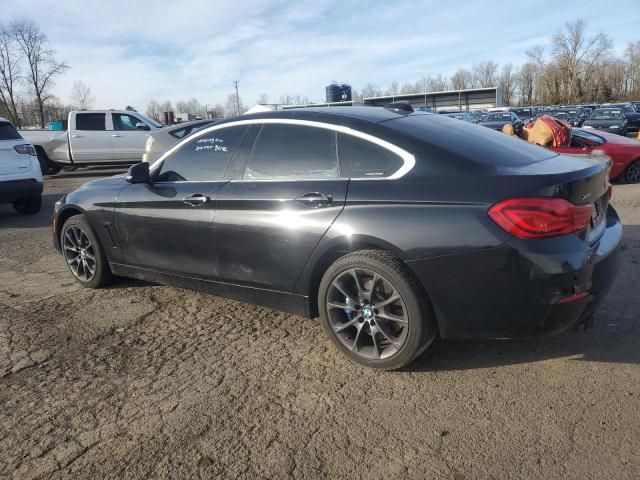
[20, 173]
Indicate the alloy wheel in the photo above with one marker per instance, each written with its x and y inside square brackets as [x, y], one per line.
[633, 172]
[79, 253]
[367, 313]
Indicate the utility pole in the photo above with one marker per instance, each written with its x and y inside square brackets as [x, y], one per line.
[235, 82]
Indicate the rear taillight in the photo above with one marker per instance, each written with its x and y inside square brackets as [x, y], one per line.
[25, 149]
[540, 217]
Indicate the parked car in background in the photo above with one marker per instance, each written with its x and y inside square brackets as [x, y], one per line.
[608, 119]
[159, 141]
[20, 171]
[624, 152]
[478, 115]
[393, 227]
[560, 114]
[498, 119]
[524, 113]
[465, 116]
[94, 137]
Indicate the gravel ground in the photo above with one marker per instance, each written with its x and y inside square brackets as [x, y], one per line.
[142, 381]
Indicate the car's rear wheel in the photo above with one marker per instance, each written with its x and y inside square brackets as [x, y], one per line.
[632, 173]
[28, 206]
[374, 310]
[83, 253]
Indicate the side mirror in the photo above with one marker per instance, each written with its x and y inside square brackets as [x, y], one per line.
[138, 173]
[142, 126]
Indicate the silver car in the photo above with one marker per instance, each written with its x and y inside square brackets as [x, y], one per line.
[162, 140]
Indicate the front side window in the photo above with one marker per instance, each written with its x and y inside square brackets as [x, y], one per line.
[363, 159]
[124, 122]
[91, 121]
[291, 152]
[202, 159]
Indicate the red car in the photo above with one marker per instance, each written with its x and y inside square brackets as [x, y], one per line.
[624, 152]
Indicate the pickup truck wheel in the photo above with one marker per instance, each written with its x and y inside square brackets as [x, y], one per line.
[28, 206]
[374, 310]
[632, 173]
[83, 253]
[46, 165]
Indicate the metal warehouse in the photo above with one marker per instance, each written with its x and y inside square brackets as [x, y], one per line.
[470, 99]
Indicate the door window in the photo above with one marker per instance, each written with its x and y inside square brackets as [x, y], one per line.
[290, 152]
[122, 121]
[91, 121]
[363, 159]
[202, 159]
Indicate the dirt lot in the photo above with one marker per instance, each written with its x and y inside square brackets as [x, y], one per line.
[143, 381]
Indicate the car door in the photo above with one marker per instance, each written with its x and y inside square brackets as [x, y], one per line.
[167, 225]
[90, 141]
[128, 141]
[269, 220]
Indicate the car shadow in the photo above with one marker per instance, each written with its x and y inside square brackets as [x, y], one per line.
[9, 218]
[87, 172]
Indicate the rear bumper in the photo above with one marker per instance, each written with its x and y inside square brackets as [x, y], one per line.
[515, 290]
[13, 190]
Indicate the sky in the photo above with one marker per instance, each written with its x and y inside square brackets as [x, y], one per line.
[131, 52]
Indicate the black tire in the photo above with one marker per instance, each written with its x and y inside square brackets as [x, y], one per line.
[46, 165]
[632, 172]
[101, 274]
[392, 275]
[28, 206]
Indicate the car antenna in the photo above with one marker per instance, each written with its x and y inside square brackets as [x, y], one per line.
[403, 108]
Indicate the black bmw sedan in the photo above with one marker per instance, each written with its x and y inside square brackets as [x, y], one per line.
[393, 227]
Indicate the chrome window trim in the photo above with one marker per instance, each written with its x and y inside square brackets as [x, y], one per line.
[408, 159]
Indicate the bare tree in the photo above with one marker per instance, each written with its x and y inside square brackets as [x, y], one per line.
[526, 82]
[408, 87]
[507, 84]
[393, 88]
[154, 111]
[485, 74]
[43, 67]
[193, 107]
[263, 99]
[370, 90]
[577, 56]
[234, 105]
[81, 97]
[10, 58]
[462, 79]
[294, 99]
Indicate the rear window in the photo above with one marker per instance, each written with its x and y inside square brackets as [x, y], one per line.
[363, 159]
[473, 143]
[8, 132]
[91, 121]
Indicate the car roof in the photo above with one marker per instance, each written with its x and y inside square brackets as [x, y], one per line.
[370, 114]
[2, 119]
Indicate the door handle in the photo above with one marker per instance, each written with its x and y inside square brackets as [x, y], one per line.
[116, 135]
[196, 199]
[314, 199]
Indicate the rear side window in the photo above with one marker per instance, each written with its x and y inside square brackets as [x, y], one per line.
[363, 159]
[91, 121]
[8, 132]
[290, 152]
[202, 159]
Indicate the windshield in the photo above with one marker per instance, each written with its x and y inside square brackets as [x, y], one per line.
[584, 137]
[606, 115]
[562, 115]
[523, 112]
[496, 117]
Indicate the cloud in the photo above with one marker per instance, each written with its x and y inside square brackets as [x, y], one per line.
[132, 52]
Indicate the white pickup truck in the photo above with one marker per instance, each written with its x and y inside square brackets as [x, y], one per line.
[94, 137]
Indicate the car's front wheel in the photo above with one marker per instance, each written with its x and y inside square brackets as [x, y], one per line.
[28, 206]
[632, 173]
[83, 253]
[375, 311]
